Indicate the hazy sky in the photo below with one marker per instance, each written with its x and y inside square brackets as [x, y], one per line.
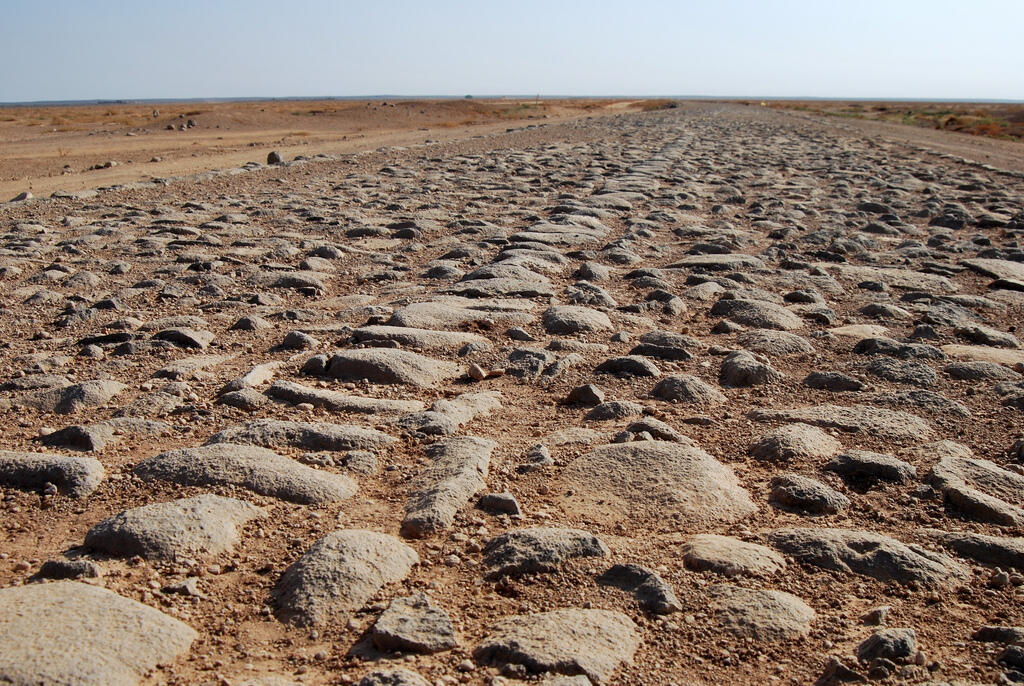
[125, 49]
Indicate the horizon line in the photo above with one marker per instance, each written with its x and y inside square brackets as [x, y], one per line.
[470, 96]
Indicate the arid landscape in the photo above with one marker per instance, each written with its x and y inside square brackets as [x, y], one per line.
[48, 148]
[1004, 121]
[513, 391]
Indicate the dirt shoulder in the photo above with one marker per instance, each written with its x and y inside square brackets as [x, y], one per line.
[45, 149]
[998, 152]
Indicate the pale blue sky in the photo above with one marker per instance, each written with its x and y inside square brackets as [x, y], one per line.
[128, 49]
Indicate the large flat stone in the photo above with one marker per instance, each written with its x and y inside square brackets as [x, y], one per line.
[984, 353]
[256, 469]
[426, 339]
[457, 472]
[655, 479]
[443, 315]
[389, 366]
[762, 615]
[276, 433]
[339, 574]
[730, 556]
[539, 549]
[99, 435]
[899, 427]
[720, 263]
[73, 476]
[72, 398]
[1001, 551]
[894, 277]
[446, 416]
[868, 554]
[335, 401]
[589, 642]
[997, 269]
[758, 314]
[73, 633]
[978, 488]
[204, 525]
[414, 624]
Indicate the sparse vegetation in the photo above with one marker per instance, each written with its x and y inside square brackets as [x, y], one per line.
[995, 120]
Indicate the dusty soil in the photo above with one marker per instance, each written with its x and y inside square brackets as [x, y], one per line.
[43, 149]
[698, 179]
[1004, 121]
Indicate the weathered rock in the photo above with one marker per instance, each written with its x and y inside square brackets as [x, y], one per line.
[425, 339]
[443, 315]
[999, 634]
[628, 365]
[864, 465]
[415, 625]
[252, 322]
[256, 469]
[742, 368]
[656, 429]
[446, 416]
[392, 677]
[185, 338]
[895, 278]
[504, 503]
[984, 335]
[764, 616]
[588, 396]
[981, 371]
[248, 399]
[73, 476]
[978, 488]
[989, 550]
[653, 593]
[72, 398]
[902, 371]
[803, 494]
[338, 575]
[275, 433]
[457, 472]
[655, 479]
[888, 347]
[687, 389]
[67, 569]
[614, 409]
[539, 549]
[888, 644]
[204, 525]
[795, 441]
[727, 262]
[757, 314]
[101, 434]
[899, 427]
[925, 400]
[868, 554]
[730, 556]
[388, 366]
[338, 402]
[186, 368]
[73, 633]
[589, 642]
[997, 269]
[570, 319]
[771, 342]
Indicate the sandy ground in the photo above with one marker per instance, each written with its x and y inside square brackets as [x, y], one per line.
[45, 149]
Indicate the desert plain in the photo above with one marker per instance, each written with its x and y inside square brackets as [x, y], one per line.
[510, 391]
